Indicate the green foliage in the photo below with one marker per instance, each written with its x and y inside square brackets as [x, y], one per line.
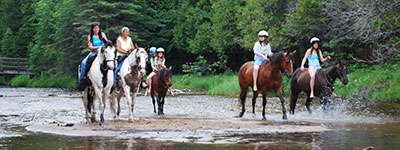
[20, 80]
[8, 45]
[43, 81]
[52, 81]
[2, 81]
[379, 82]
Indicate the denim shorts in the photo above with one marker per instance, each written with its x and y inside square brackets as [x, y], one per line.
[258, 62]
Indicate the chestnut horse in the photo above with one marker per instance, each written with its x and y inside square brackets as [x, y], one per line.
[269, 78]
[159, 87]
[323, 86]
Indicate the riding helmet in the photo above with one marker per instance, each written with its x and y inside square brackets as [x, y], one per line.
[152, 50]
[160, 49]
[263, 33]
[314, 39]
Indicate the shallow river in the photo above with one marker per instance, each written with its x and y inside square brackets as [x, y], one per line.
[29, 119]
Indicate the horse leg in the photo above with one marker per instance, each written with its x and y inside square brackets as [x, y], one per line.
[255, 95]
[284, 117]
[85, 104]
[159, 104]
[293, 100]
[162, 105]
[127, 91]
[308, 101]
[243, 102]
[112, 104]
[154, 105]
[91, 102]
[120, 94]
[133, 95]
[264, 97]
[100, 97]
[242, 97]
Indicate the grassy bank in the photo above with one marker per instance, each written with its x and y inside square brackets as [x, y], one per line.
[43, 81]
[379, 82]
[222, 84]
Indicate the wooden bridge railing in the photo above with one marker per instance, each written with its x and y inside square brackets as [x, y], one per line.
[14, 66]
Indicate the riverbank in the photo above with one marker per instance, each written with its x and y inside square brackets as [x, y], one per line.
[378, 82]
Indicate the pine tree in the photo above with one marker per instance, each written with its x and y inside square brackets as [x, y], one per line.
[8, 46]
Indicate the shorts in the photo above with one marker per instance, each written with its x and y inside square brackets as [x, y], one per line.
[258, 62]
[316, 67]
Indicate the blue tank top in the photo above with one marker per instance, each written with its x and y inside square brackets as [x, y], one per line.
[97, 41]
[313, 60]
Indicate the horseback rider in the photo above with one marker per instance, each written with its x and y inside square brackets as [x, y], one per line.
[96, 40]
[313, 54]
[124, 45]
[261, 49]
[157, 61]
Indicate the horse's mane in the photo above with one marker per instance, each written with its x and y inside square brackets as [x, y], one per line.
[277, 58]
[160, 73]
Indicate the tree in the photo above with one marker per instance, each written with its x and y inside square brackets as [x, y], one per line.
[367, 28]
[8, 46]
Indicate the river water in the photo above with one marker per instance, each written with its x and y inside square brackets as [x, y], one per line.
[350, 124]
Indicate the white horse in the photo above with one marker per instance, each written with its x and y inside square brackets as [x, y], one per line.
[100, 84]
[129, 78]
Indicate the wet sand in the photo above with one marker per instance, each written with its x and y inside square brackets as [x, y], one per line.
[180, 130]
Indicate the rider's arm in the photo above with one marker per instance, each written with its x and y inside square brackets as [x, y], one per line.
[321, 57]
[90, 44]
[305, 58]
[163, 62]
[152, 64]
[270, 53]
[132, 48]
[255, 49]
[104, 36]
[119, 48]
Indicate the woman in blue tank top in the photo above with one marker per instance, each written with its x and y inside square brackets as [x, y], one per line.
[313, 55]
[96, 39]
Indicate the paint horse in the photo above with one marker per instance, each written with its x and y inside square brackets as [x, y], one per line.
[323, 87]
[129, 78]
[159, 87]
[101, 78]
[269, 78]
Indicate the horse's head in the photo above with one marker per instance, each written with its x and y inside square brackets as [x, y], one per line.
[109, 54]
[141, 57]
[342, 72]
[285, 61]
[165, 76]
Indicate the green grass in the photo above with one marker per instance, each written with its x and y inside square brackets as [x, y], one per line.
[43, 81]
[220, 84]
[379, 82]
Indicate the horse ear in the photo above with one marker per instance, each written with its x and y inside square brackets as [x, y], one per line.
[147, 48]
[294, 52]
[136, 46]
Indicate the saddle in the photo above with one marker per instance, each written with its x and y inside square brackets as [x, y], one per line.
[103, 70]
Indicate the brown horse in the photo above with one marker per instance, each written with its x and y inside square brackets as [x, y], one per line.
[323, 86]
[159, 88]
[269, 78]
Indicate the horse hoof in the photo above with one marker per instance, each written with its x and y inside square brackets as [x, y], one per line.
[284, 117]
[264, 118]
[130, 119]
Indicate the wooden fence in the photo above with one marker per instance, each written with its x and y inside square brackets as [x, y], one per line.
[14, 66]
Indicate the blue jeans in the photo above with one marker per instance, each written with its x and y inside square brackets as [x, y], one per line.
[84, 64]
